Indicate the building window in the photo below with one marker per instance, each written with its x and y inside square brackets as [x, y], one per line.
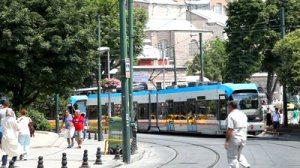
[193, 48]
[165, 49]
[218, 8]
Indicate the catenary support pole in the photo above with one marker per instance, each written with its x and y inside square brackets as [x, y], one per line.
[175, 67]
[125, 96]
[282, 26]
[201, 58]
[56, 113]
[131, 54]
[99, 108]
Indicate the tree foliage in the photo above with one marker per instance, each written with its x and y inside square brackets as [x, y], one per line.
[45, 46]
[50, 46]
[244, 30]
[253, 29]
[289, 51]
[214, 61]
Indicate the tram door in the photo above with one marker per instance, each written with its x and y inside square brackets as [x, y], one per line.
[222, 111]
[153, 110]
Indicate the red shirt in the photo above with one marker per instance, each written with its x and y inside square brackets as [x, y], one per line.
[78, 122]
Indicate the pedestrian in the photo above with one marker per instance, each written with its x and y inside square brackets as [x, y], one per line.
[269, 117]
[295, 118]
[10, 144]
[275, 118]
[68, 128]
[24, 123]
[236, 136]
[86, 126]
[3, 110]
[78, 122]
[281, 117]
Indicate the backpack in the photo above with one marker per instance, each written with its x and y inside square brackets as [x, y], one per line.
[31, 129]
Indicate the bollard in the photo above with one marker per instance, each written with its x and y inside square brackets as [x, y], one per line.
[11, 164]
[117, 153]
[98, 157]
[40, 162]
[64, 161]
[95, 138]
[85, 163]
[89, 135]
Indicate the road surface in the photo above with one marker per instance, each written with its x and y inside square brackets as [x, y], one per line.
[200, 152]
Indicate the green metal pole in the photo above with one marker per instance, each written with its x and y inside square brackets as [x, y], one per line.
[99, 107]
[125, 96]
[56, 113]
[282, 25]
[175, 67]
[131, 53]
[201, 58]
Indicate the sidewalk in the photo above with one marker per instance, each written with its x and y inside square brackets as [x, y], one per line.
[290, 133]
[51, 146]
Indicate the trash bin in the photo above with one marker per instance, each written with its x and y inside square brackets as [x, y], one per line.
[114, 134]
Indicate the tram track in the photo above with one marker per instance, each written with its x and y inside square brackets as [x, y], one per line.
[167, 146]
[212, 165]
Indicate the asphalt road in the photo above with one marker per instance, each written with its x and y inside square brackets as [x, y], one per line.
[175, 151]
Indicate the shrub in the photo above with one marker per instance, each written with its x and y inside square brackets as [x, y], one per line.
[39, 120]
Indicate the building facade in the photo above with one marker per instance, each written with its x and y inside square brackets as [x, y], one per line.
[173, 29]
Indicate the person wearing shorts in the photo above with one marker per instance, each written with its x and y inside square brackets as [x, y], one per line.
[68, 128]
[78, 122]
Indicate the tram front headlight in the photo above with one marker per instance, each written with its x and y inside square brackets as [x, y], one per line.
[257, 118]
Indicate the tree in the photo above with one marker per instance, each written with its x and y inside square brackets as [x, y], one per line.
[244, 42]
[110, 33]
[214, 61]
[254, 25]
[50, 46]
[289, 70]
[272, 34]
[45, 47]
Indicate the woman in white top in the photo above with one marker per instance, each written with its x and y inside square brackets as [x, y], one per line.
[10, 145]
[24, 133]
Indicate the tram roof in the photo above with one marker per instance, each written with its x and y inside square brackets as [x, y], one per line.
[228, 88]
[74, 99]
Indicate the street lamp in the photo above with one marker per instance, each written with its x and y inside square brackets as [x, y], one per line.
[102, 50]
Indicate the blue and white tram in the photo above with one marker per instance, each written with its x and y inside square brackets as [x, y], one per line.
[200, 109]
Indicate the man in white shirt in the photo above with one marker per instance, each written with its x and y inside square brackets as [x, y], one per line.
[236, 136]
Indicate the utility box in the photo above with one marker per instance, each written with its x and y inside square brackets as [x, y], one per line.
[114, 134]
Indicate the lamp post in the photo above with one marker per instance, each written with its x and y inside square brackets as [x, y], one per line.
[102, 50]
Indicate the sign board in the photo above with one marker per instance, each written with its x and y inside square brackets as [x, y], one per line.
[127, 68]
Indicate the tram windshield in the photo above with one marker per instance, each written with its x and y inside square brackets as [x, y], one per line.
[249, 104]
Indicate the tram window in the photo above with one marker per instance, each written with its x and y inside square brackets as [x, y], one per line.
[201, 107]
[223, 110]
[169, 105]
[201, 98]
[180, 110]
[143, 112]
[191, 106]
[92, 112]
[117, 110]
[212, 109]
